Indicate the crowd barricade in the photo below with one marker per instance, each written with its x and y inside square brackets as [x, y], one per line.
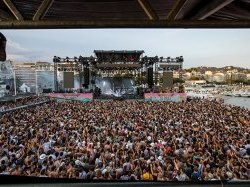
[171, 97]
[60, 97]
[24, 106]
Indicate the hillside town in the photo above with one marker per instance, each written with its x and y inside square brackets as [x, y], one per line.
[225, 75]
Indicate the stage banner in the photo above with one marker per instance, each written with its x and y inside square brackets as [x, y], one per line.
[172, 97]
[84, 97]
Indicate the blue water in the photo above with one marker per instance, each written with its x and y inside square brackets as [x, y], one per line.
[237, 101]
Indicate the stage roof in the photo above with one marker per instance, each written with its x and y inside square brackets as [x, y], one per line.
[25, 14]
[118, 56]
[110, 66]
[118, 51]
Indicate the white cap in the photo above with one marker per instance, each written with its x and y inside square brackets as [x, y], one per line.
[230, 175]
[62, 164]
[152, 144]
[78, 163]
[104, 171]
[160, 157]
[42, 156]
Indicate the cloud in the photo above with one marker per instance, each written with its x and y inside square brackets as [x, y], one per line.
[12, 45]
[198, 46]
[17, 52]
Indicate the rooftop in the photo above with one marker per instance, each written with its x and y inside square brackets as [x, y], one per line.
[124, 14]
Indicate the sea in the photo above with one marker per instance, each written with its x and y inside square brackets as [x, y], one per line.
[237, 101]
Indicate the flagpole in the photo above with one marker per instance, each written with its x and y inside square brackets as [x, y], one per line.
[14, 75]
[36, 83]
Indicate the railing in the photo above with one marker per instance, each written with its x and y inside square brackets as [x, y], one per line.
[24, 106]
[41, 181]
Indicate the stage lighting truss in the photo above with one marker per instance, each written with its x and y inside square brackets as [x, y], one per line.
[70, 64]
[78, 63]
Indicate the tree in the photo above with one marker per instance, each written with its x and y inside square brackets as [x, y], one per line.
[191, 69]
[246, 82]
[195, 78]
[178, 80]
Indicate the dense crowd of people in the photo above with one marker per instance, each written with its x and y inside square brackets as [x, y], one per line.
[7, 105]
[127, 140]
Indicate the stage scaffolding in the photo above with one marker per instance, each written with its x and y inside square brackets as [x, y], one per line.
[116, 63]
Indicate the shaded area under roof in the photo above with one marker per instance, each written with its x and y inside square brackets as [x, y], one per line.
[124, 14]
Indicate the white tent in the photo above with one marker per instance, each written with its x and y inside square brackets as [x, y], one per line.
[24, 88]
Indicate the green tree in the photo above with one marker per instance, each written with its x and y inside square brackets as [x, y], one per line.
[195, 78]
[178, 80]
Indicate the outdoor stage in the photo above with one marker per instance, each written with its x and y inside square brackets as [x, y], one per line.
[116, 75]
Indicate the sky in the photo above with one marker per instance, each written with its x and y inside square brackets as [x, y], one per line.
[199, 47]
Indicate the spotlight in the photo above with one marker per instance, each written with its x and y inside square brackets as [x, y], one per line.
[55, 59]
[161, 58]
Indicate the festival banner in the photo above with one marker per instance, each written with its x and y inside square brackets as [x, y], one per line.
[171, 97]
[84, 97]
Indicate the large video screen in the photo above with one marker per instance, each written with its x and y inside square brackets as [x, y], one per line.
[68, 79]
[116, 86]
[6, 77]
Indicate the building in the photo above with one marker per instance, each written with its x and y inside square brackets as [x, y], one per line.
[232, 76]
[45, 76]
[195, 82]
[241, 76]
[32, 74]
[44, 66]
[6, 77]
[238, 76]
[209, 73]
[208, 76]
[186, 75]
[218, 77]
[248, 76]
[25, 73]
[176, 74]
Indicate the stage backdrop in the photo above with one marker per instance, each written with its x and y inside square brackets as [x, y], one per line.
[116, 86]
[173, 97]
[84, 97]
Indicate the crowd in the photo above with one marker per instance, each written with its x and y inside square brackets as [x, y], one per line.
[6, 105]
[127, 140]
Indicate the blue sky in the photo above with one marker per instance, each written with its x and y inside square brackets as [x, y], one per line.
[199, 47]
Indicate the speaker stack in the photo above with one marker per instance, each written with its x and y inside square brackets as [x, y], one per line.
[150, 77]
[2, 47]
[86, 78]
[167, 79]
